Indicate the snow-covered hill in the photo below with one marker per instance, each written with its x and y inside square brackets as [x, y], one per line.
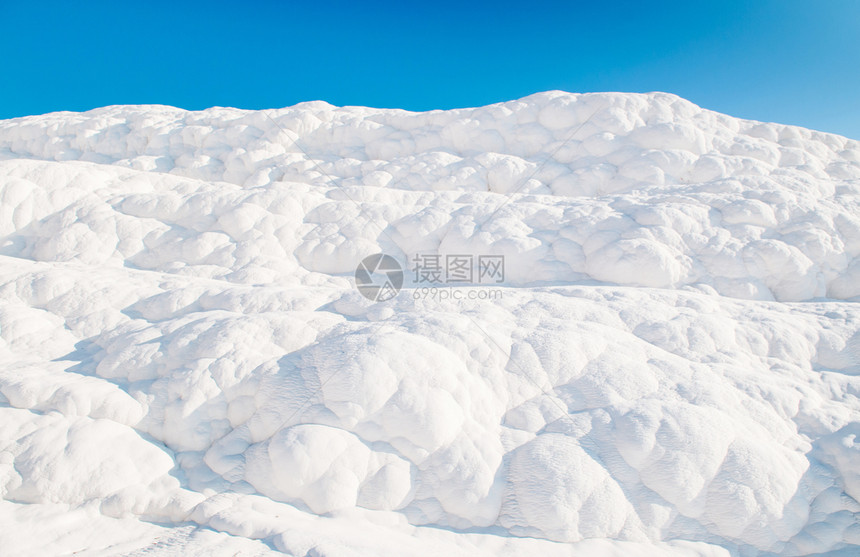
[671, 365]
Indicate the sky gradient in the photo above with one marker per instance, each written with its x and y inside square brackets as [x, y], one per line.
[788, 61]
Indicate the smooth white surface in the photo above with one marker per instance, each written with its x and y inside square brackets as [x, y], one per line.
[673, 367]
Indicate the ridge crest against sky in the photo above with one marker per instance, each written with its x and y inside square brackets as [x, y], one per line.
[738, 58]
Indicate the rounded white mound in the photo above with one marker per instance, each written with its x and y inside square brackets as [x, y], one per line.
[671, 366]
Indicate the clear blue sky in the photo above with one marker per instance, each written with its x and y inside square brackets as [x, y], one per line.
[790, 61]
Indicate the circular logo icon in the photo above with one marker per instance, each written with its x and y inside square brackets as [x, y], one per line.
[379, 277]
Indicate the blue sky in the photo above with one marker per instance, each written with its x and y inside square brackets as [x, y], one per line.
[790, 61]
